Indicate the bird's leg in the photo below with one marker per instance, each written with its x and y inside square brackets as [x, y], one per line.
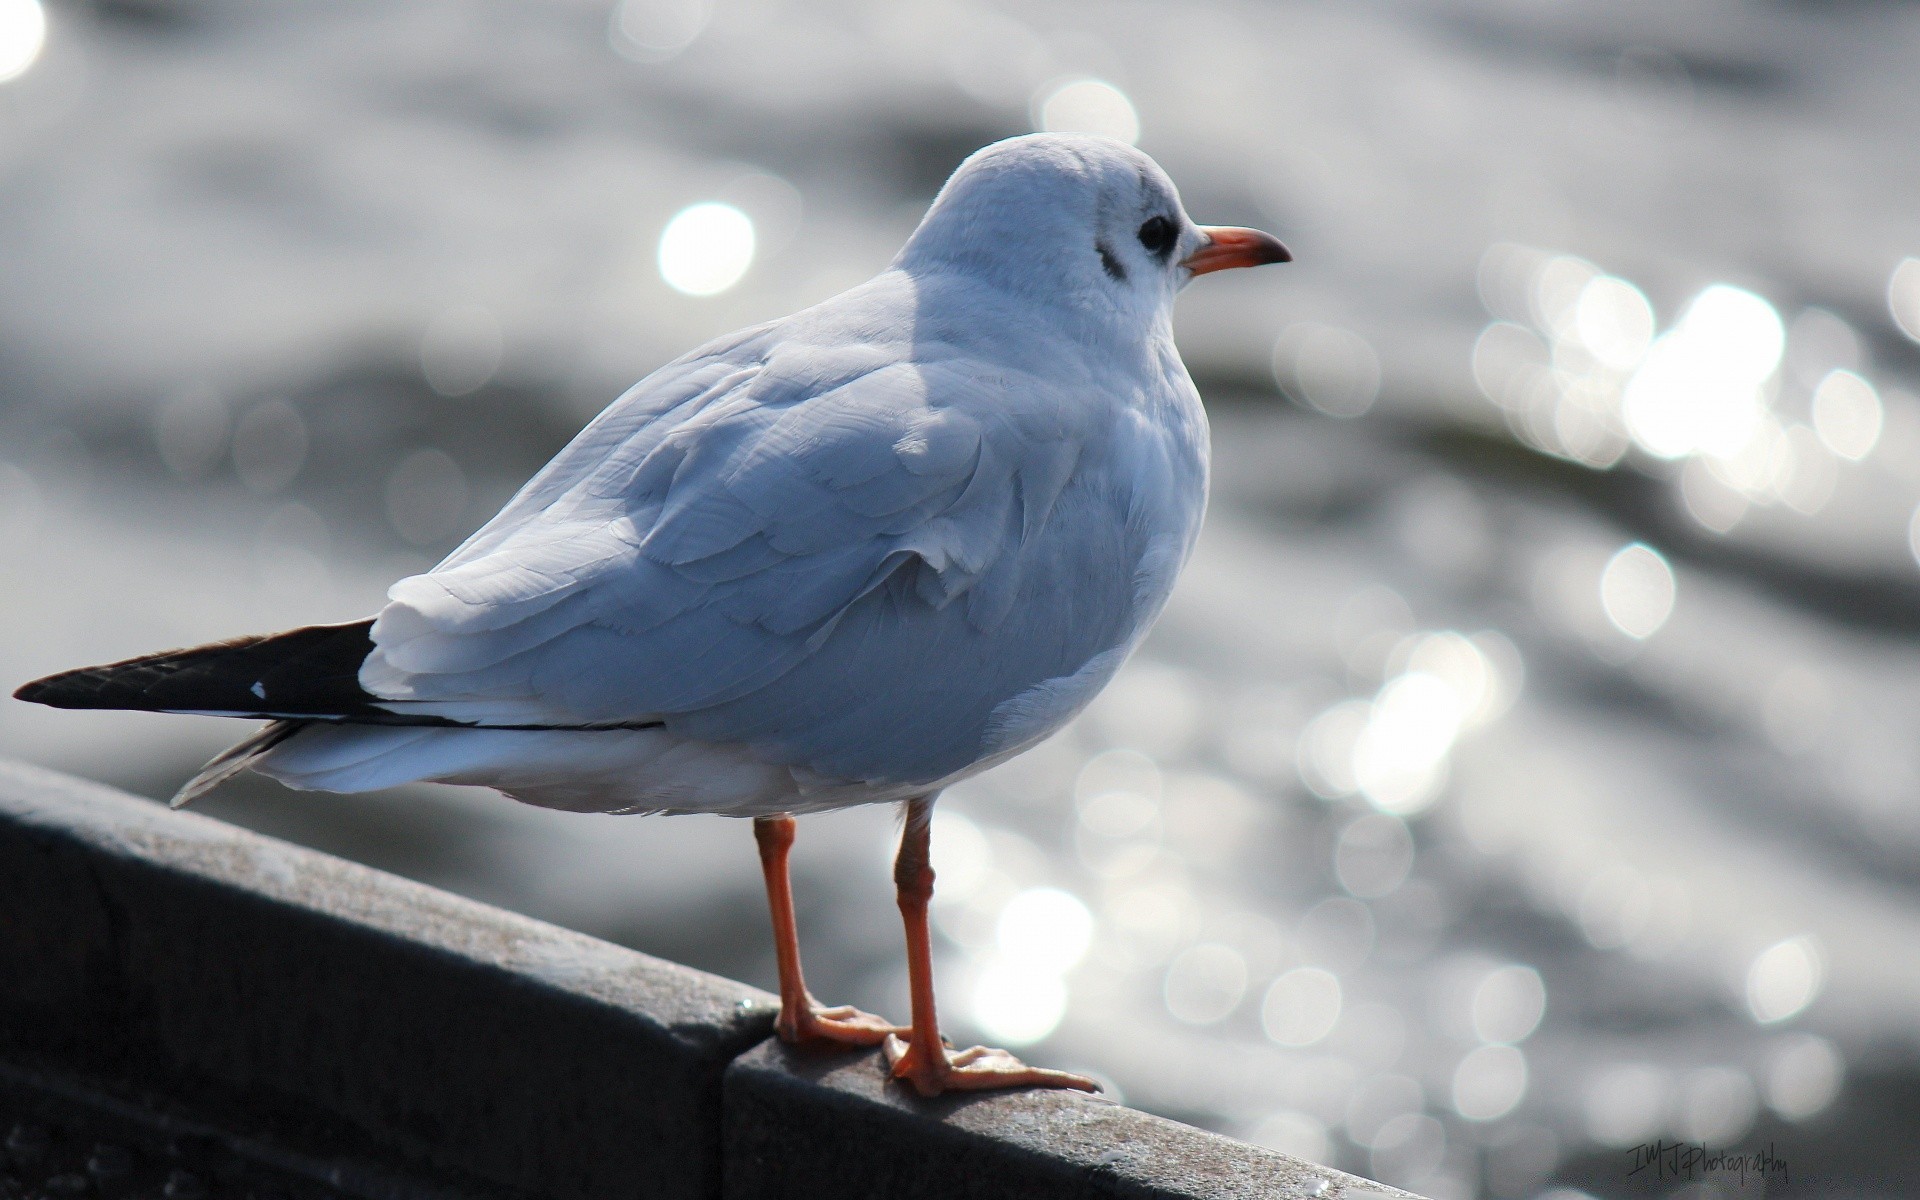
[802, 1020]
[924, 1059]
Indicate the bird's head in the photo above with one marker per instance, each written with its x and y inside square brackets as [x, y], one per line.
[1086, 221]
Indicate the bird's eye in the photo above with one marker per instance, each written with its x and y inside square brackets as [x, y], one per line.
[1157, 235]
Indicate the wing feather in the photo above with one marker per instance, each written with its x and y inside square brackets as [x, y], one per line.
[763, 546]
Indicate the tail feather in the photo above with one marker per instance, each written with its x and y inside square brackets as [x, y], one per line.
[233, 760]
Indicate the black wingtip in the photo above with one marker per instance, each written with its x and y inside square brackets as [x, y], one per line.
[303, 672]
[58, 691]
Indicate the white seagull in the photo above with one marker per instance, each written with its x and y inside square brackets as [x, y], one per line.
[850, 556]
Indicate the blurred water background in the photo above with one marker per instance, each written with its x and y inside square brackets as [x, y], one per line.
[1528, 767]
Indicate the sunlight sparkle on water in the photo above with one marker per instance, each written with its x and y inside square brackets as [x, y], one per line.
[1394, 750]
[1736, 329]
[1086, 106]
[1508, 1004]
[1903, 297]
[962, 856]
[1682, 402]
[1018, 1006]
[1020, 994]
[1626, 1103]
[1299, 1134]
[1847, 414]
[1715, 1105]
[1373, 855]
[1301, 1007]
[1573, 363]
[1803, 1076]
[1327, 368]
[1700, 389]
[426, 493]
[1783, 980]
[1401, 753]
[1614, 322]
[1637, 591]
[1489, 1082]
[1206, 983]
[23, 33]
[706, 248]
[1045, 929]
[461, 349]
[650, 31]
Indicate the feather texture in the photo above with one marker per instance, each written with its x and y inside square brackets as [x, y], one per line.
[797, 550]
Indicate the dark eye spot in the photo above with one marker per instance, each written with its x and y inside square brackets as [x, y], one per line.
[1111, 262]
[1157, 235]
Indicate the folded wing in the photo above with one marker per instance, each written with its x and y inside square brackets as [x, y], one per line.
[759, 557]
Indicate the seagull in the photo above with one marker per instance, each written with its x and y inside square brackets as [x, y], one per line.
[851, 556]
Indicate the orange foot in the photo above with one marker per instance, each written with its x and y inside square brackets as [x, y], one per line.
[842, 1025]
[977, 1070]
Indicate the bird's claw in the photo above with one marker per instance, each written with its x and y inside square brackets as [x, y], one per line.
[841, 1025]
[979, 1068]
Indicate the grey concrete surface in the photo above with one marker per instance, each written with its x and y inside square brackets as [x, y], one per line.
[807, 1125]
[385, 1040]
[288, 995]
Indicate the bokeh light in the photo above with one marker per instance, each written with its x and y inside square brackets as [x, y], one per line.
[1508, 1005]
[461, 350]
[1626, 1103]
[962, 856]
[1614, 322]
[1330, 369]
[1373, 855]
[1299, 1134]
[1699, 390]
[1399, 755]
[1045, 929]
[1847, 414]
[706, 248]
[1205, 983]
[1490, 1082]
[1903, 297]
[1020, 994]
[1715, 1106]
[426, 497]
[1301, 1007]
[290, 552]
[1017, 1006]
[650, 31]
[1783, 979]
[1086, 106]
[190, 430]
[270, 443]
[1804, 1075]
[23, 34]
[1575, 366]
[1637, 591]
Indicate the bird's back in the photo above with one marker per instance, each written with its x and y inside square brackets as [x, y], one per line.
[868, 556]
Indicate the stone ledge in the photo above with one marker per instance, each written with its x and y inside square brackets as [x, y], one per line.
[287, 995]
[800, 1125]
[386, 1040]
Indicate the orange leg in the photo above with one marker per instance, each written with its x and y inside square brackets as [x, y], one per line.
[802, 1020]
[924, 1060]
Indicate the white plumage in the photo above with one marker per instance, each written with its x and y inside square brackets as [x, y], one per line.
[852, 555]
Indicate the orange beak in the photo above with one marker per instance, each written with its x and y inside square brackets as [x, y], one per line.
[1230, 247]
